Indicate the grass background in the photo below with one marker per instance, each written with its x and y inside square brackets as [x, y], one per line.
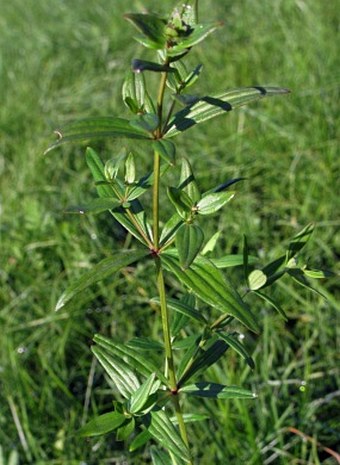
[64, 60]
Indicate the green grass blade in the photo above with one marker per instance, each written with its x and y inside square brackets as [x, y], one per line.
[102, 270]
[210, 107]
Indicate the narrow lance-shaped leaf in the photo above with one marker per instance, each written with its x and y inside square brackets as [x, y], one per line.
[272, 303]
[207, 283]
[166, 149]
[229, 261]
[299, 241]
[182, 308]
[118, 370]
[188, 182]
[126, 430]
[141, 395]
[235, 344]
[133, 356]
[211, 203]
[105, 190]
[203, 361]
[102, 270]
[180, 319]
[103, 424]
[139, 66]
[189, 240]
[151, 26]
[97, 128]
[95, 206]
[181, 201]
[209, 107]
[199, 32]
[159, 457]
[161, 428]
[217, 391]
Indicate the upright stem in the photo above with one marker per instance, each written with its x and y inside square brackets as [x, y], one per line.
[155, 200]
[160, 276]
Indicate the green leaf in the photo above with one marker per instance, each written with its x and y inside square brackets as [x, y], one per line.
[133, 356]
[143, 184]
[120, 214]
[317, 274]
[166, 149]
[135, 94]
[217, 391]
[95, 206]
[130, 169]
[299, 278]
[97, 169]
[118, 370]
[145, 343]
[272, 302]
[141, 395]
[159, 457]
[203, 361]
[147, 122]
[188, 182]
[170, 228]
[198, 33]
[256, 280]
[102, 270]
[139, 441]
[209, 107]
[211, 203]
[96, 128]
[246, 260]
[139, 66]
[180, 319]
[211, 244]
[180, 307]
[229, 261]
[126, 430]
[235, 344]
[138, 213]
[161, 428]
[112, 166]
[207, 283]
[181, 201]
[103, 424]
[152, 26]
[299, 241]
[191, 418]
[189, 240]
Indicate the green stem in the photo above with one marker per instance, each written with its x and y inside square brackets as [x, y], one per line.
[166, 326]
[155, 200]
[159, 272]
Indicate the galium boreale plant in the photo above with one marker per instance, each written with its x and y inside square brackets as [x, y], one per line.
[154, 376]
